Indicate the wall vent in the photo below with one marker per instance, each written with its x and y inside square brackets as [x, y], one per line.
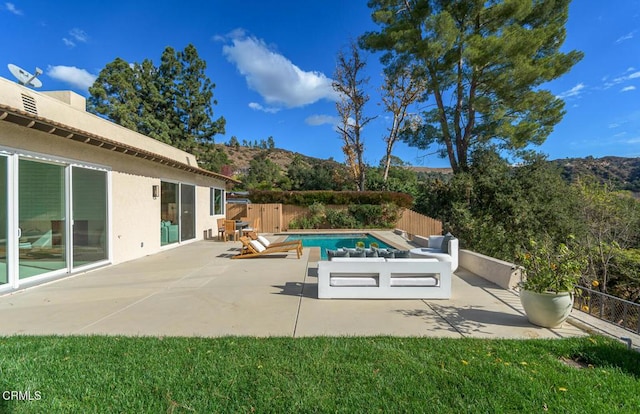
[29, 104]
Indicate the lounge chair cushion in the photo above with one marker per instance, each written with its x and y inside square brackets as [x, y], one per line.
[258, 246]
[264, 241]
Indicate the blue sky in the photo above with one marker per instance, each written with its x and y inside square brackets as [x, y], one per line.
[272, 64]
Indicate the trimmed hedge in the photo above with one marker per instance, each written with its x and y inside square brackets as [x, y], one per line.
[306, 198]
[355, 216]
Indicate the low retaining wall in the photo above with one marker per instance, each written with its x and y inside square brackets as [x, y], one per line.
[421, 241]
[504, 274]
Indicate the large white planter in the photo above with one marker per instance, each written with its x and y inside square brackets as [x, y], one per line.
[549, 310]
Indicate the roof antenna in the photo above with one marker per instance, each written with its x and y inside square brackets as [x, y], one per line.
[24, 77]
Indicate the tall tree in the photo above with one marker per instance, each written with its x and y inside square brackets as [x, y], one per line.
[114, 95]
[349, 83]
[172, 102]
[485, 63]
[612, 219]
[402, 87]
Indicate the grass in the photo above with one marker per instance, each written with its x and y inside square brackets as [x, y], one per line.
[355, 374]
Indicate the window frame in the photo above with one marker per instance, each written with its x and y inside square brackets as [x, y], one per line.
[212, 201]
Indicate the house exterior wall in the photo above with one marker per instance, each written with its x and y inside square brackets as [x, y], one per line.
[134, 213]
[65, 108]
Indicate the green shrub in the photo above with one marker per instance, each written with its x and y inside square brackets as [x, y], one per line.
[624, 274]
[303, 222]
[306, 198]
[341, 219]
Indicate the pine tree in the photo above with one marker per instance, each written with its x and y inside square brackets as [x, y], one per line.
[485, 62]
[172, 102]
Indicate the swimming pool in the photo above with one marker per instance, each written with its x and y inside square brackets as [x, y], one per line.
[336, 241]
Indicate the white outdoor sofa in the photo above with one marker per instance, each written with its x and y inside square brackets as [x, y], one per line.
[434, 250]
[379, 278]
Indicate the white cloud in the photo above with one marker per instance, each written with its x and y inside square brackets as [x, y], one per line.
[12, 9]
[628, 88]
[75, 35]
[316, 120]
[278, 80]
[575, 91]
[621, 79]
[269, 109]
[79, 34]
[79, 78]
[628, 36]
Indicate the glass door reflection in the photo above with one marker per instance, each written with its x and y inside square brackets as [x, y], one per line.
[41, 221]
[4, 223]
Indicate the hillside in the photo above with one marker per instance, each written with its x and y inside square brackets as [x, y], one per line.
[622, 173]
[241, 156]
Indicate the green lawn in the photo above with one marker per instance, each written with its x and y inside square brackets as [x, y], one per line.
[373, 374]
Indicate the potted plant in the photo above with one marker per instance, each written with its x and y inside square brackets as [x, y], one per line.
[550, 273]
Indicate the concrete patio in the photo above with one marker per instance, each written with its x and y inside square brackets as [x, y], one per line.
[197, 290]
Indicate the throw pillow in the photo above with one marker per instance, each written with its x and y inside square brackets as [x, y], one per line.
[445, 243]
[371, 253]
[387, 254]
[356, 253]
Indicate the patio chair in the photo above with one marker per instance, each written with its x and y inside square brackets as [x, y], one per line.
[221, 228]
[253, 227]
[230, 230]
[253, 248]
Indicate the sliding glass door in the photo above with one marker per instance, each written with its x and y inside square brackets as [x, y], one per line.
[169, 219]
[177, 212]
[4, 221]
[89, 200]
[187, 212]
[42, 225]
[53, 217]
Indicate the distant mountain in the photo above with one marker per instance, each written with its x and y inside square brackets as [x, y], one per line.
[241, 156]
[622, 173]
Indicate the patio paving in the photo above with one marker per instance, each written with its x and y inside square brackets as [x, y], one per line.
[197, 290]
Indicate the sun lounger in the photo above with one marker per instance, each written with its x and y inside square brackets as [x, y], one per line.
[253, 248]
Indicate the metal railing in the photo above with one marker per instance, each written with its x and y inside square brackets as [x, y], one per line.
[609, 308]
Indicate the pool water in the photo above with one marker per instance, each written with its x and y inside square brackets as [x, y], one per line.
[336, 241]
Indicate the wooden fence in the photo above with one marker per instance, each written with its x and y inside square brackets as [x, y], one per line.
[275, 218]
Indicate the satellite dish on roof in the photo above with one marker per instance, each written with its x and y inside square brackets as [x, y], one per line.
[24, 77]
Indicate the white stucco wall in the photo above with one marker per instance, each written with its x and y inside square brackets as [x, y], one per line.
[135, 214]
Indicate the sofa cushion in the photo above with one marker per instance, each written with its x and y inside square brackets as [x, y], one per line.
[356, 252]
[445, 243]
[387, 254]
[371, 252]
[337, 253]
[354, 281]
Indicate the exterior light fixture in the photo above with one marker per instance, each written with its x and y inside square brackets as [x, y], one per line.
[155, 191]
